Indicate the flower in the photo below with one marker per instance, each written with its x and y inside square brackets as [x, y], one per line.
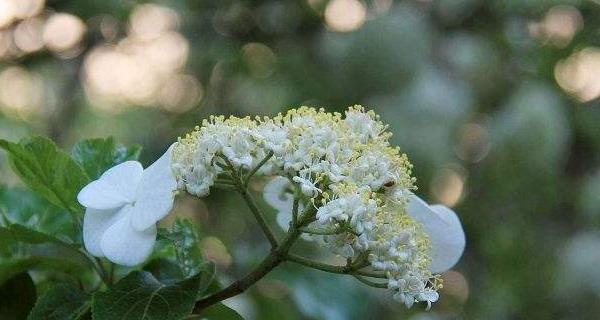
[344, 166]
[122, 208]
[445, 232]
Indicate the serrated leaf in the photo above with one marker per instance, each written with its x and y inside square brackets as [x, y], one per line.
[164, 270]
[218, 311]
[185, 239]
[139, 296]
[98, 155]
[61, 302]
[169, 272]
[47, 170]
[17, 297]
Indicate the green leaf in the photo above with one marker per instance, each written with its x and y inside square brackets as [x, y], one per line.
[17, 297]
[19, 233]
[218, 311]
[185, 239]
[164, 270]
[9, 269]
[47, 170]
[98, 155]
[169, 272]
[47, 252]
[140, 296]
[61, 302]
[207, 277]
[27, 208]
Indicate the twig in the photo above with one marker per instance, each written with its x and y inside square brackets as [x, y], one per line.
[370, 283]
[258, 166]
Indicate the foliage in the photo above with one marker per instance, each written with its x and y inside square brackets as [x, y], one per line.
[140, 296]
[47, 170]
[168, 290]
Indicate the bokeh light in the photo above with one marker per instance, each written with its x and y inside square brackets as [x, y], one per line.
[474, 142]
[448, 185]
[63, 31]
[559, 25]
[259, 58]
[345, 15]
[21, 93]
[215, 251]
[143, 68]
[579, 74]
[28, 35]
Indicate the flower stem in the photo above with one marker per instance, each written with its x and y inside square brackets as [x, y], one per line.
[318, 265]
[243, 190]
[258, 166]
[295, 213]
[370, 283]
[258, 216]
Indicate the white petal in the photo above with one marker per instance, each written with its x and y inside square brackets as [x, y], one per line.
[95, 223]
[114, 188]
[155, 193]
[275, 195]
[284, 218]
[445, 230]
[124, 245]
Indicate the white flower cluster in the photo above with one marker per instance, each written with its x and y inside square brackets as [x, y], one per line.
[344, 166]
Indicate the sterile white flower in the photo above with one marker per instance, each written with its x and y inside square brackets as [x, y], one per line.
[444, 229]
[122, 208]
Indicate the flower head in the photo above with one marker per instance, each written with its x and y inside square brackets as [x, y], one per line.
[343, 166]
[122, 208]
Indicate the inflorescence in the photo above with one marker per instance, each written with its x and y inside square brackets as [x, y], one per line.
[342, 166]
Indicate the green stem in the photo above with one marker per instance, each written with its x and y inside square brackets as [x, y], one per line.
[321, 232]
[259, 217]
[111, 274]
[258, 166]
[372, 274]
[295, 213]
[318, 265]
[225, 186]
[243, 190]
[370, 283]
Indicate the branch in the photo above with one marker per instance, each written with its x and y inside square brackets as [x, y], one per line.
[269, 263]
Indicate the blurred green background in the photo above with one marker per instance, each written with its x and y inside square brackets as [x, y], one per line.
[495, 102]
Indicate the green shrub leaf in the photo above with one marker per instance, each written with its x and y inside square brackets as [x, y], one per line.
[17, 297]
[141, 296]
[62, 302]
[46, 252]
[27, 208]
[98, 155]
[9, 269]
[47, 170]
[185, 239]
[19, 233]
[218, 311]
